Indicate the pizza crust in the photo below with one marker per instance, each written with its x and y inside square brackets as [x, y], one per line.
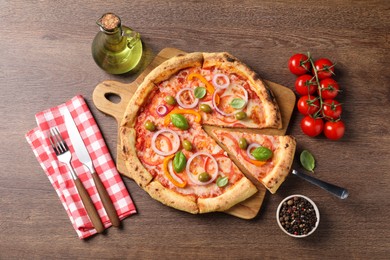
[135, 169]
[285, 157]
[228, 62]
[170, 67]
[137, 100]
[240, 191]
[171, 198]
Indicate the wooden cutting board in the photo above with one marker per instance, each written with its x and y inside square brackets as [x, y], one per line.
[247, 209]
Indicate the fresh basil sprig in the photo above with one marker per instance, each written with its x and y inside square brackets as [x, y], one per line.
[237, 103]
[307, 160]
[261, 153]
[179, 121]
[200, 92]
[179, 162]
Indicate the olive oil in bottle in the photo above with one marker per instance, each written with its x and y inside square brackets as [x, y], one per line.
[117, 49]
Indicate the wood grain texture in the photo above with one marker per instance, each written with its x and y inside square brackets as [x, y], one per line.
[45, 51]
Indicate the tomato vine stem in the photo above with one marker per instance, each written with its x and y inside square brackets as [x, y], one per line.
[318, 113]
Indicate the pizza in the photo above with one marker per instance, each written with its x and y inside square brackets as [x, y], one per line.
[166, 150]
[266, 158]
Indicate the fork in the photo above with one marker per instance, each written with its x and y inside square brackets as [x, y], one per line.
[61, 149]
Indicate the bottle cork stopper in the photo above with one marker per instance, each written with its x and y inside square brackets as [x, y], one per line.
[110, 22]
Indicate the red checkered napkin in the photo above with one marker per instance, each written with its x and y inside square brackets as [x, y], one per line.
[59, 174]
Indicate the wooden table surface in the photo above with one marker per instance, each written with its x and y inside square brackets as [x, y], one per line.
[45, 59]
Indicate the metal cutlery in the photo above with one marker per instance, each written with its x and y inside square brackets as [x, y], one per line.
[335, 190]
[84, 157]
[61, 149]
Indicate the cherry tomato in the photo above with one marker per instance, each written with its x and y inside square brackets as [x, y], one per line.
[334, 130]
[324, 67]
[331, 109]
[312, 126]
[308, 105]
[329, 88]
[299, 64]
[305, 85]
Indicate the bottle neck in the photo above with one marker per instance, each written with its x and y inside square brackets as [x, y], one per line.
[114, 41]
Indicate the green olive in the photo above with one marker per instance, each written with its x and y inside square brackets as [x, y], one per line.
[187, 145]
[240, 115]
[149, 125]
[204, 176]
[170, 100]
[205, 108]
[242, 143]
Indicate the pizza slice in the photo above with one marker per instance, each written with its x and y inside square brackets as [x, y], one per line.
[264, 158]
[222, 89]
[240, 97]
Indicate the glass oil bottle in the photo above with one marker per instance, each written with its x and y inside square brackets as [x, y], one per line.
[117, 49]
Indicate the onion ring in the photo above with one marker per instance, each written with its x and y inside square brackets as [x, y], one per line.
[176, 142]
[217, 84]
[248, 150]
[191, 176]
[192, 105]
[162, 110]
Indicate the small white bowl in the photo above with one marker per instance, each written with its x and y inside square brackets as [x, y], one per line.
[315, 209]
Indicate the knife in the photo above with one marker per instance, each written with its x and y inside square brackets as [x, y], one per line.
[83, 156]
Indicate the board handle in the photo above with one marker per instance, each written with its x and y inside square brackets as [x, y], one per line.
[106, 90]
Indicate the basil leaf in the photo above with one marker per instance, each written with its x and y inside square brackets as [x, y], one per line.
[237, 103]
[179, 162]
[262, 153]
[222, 181]
[200, 92]
[179, 121]
[307, 160]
